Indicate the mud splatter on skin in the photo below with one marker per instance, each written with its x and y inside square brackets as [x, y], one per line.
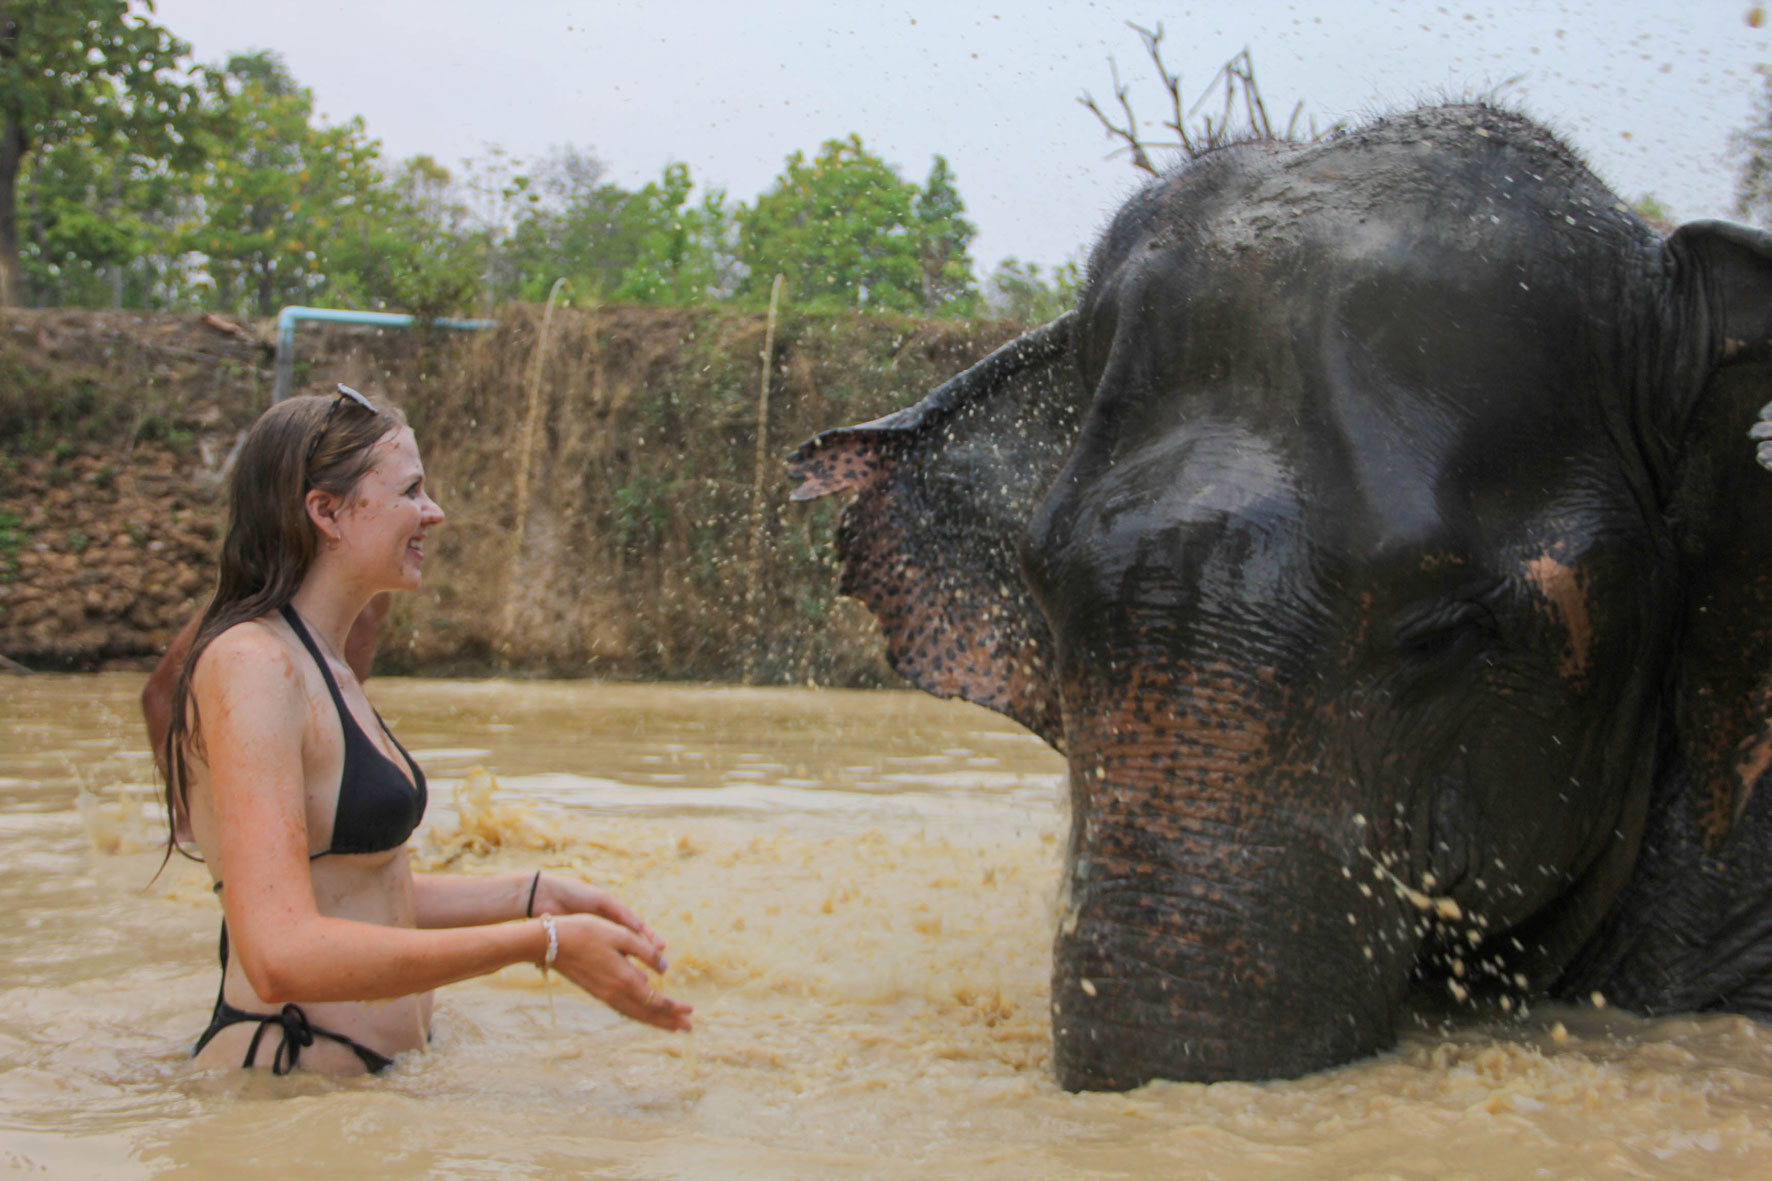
[1567, 593]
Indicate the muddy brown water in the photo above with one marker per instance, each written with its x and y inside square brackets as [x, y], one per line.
[858, 890]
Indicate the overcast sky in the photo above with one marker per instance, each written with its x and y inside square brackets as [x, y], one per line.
[1647, 90]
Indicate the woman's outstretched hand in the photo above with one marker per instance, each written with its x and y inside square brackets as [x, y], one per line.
[557, 894]
[597, 953]
[599, 941]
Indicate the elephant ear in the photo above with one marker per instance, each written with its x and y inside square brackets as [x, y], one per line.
[1721, 512]
[932, 541]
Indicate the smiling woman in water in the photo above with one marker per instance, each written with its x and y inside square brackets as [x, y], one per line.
[299, 798]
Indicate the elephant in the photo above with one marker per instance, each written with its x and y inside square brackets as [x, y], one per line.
[1379, 541]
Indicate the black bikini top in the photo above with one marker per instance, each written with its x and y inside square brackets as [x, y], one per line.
[377, 808]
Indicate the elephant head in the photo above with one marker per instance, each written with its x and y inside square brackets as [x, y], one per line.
[1380, 543]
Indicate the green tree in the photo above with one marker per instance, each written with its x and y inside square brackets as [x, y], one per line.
[943, 236]
[842, 227]
[97, 69]
[93, 226]
[680, 252]
[649, 245]
[1019, 291]
[411, 247]
[281, 194]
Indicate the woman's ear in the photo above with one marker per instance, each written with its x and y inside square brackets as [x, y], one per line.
[323, 510]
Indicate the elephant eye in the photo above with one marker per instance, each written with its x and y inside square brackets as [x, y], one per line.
[1445, 629]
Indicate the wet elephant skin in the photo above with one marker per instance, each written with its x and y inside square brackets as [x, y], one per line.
[1380, 541]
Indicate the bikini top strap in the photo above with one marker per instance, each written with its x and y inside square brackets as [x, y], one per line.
[301, 633]
[347, 723]
[346, 719]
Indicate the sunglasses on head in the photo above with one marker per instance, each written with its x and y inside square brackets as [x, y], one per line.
[345, 393]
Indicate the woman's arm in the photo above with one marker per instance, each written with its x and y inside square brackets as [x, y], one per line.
[444, 900]
[252, 712]
[447, 901]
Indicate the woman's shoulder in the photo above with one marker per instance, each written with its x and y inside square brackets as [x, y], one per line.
[256, 651]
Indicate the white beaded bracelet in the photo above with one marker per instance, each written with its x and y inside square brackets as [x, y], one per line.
[547, 924]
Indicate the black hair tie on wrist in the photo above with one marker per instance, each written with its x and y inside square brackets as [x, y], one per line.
[529, 910]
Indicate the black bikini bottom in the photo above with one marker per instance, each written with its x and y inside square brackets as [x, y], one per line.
[298, 1031]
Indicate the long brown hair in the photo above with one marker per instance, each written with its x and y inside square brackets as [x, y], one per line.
[298, 444]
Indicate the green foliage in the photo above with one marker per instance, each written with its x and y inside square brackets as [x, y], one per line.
[147, 190]
[642, 509]
[410, 248]
[943, 236]
[681, 253]
[650, 245]
[280, 193]
[847, 231]
[1019, 291]
[102, 228]
[96, 71]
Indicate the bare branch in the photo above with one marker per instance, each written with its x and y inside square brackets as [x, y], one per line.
[1292, 123]
[1153, 40]
[1140, 158]
[1252, 93]
[1121, 92]
[1233, 89]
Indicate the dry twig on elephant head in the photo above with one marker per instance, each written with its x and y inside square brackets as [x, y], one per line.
[1235, 81]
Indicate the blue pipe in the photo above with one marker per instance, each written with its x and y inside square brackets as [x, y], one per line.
[288, 317]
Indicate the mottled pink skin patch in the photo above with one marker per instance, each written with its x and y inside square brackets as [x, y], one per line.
[1566, 590]
[1752, 757]
[846, 462]
[950, 631]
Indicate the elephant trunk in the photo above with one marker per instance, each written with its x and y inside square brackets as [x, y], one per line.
[1220, 923]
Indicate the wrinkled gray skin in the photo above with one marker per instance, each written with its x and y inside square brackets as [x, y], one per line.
[1380, 543]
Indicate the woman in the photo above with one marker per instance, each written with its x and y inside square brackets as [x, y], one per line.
[300, 800]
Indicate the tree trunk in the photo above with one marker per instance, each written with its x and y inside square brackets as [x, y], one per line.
[12, 154]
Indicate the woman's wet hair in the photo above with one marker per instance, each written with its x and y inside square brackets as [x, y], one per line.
[313, 442]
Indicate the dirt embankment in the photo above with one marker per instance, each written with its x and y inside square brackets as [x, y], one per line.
[628, 556]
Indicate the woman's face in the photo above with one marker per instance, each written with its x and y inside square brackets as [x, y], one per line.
[384, 524]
